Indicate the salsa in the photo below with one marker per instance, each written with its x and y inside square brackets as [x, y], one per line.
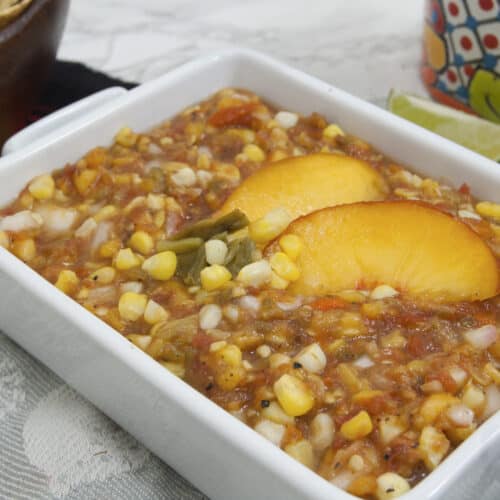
[370, 386]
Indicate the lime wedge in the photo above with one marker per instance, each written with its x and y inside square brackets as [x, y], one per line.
[470, 131]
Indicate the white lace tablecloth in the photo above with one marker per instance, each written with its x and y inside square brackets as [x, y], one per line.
[53, 443]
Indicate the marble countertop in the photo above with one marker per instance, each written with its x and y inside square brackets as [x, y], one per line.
[366, 47]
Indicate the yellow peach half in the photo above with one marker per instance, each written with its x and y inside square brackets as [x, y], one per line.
[410, 246]
[306, 183]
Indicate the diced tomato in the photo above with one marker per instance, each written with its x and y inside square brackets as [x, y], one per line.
[201, 341]
[234, 115]
[464, 189]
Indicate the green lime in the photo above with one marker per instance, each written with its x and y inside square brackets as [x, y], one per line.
[470, 131]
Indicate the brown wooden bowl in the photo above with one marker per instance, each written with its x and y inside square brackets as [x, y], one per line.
[28, 47]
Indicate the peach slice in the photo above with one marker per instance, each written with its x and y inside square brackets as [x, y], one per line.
[410, 246]
[306, 183]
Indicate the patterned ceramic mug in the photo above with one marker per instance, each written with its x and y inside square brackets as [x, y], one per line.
[461, 60]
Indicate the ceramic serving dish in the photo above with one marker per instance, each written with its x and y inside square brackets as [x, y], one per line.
[212, 449]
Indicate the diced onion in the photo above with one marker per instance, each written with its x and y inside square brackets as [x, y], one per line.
[492, 400]
[363, 362]
[482, 337]
[460, 415]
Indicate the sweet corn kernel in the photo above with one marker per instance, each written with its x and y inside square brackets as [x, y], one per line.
[4, 239]
[270, 226]
[141, 341]
[271, 431]
[215, 251]
[176, 369]
[294, 395]
[322, 431]
[25, 249]
[214, 277]
[391, 485]
[230, 370]
[302, 451]
[292, 245]
[83, 179]
[104, 275]
[109, 248]
[278, 283]
[312, 358]
[356, 463]
[488, 209]
[363, 485]
[255, 274]
[126, 259]
[42, 187]
[286, 119]
[284, 267]
[275, 413]
[433, 446]
[67, 282]
[185, 177]
[278, 359]
[434, 405]
[474, 398]
[105, 213]
[357, 427]
[142, 242]
[492, 372]
[352, 324]
[161, 266]
[332, 131]
[154, 313]
[390, 427]
[254, 153]
[210, 316]
[126, 137]
[131, 305]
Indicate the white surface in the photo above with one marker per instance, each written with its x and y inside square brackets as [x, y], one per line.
[363, 46]
[173, 420]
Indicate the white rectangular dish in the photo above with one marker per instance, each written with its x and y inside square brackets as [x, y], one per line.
[216, 452]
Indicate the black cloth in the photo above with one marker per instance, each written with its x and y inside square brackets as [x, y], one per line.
[69, 82]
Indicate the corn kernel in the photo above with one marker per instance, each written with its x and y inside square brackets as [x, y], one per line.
[356, 463]
[271, 431]
[104, 275]
[275, 413]
[25, 249]
[131, 305]
[284, 267]
[176, 369]
[254, 153]
[141, 341]
[83, 179]
[434, 405]
[215, 251]
[230, 370]
[126, 259]
[278, 359]
[352, 324]
[474, 398]
[433, 446]
[322, 431]
[312, 358]
[391, 485]
[492, 372]
[142, 242]
[271, 225]
[255, 274]
[67, 282]
[42, 187]
[294, 395]
[109, 248]
[126, 137]
[278, 283]
[357, 427]
[154, 313]
[332, 131]
[302, 451]
[185, 177]
[4, 239]
[161, 266]
[488, 209]
[390, 427]
[105, 213]
[292, 245]
[210, 316]
[214, 277]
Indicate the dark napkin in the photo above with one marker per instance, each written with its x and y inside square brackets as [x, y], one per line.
[69, 82]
